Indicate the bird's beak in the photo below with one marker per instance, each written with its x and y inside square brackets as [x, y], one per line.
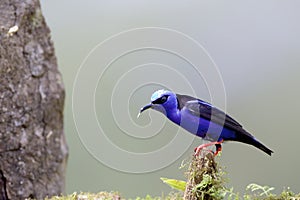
[146, 107]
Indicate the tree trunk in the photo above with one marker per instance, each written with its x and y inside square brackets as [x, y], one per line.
[33, 151]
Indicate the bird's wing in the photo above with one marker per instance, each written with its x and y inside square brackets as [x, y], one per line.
[205, 110]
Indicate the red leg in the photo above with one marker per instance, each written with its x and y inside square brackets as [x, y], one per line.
[218, 147]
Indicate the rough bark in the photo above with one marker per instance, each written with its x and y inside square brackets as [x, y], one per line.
[33, 151]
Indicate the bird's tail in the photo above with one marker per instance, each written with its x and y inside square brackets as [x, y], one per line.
[249, 139]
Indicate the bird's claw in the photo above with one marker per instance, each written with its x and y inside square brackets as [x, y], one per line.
[198, 150]
[203, 146]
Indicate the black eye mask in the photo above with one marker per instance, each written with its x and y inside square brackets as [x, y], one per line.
[161, 100]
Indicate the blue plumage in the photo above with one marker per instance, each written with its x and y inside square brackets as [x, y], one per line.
[202, 119]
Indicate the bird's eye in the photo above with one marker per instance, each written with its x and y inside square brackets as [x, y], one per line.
[161, 100]
[164, 99]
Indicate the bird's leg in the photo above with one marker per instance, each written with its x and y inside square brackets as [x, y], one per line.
[202, 146]
[218, 148]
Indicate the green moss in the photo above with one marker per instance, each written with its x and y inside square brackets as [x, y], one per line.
[171, 196]
[88, 196]
[205, 181]
[226, 194]
[36, 19]
[112, 196]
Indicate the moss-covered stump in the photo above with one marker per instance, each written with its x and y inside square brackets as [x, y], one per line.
[204, 180]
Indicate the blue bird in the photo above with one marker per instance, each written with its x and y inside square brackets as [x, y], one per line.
[201, 119]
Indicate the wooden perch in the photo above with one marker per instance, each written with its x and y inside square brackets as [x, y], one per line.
[203, 178]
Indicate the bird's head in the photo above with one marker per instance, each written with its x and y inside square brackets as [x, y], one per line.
[163, 101]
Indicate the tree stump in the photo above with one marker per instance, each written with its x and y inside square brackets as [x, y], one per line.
[33, 150]
[204, 180]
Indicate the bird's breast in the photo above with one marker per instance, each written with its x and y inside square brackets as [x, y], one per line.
[194, 124]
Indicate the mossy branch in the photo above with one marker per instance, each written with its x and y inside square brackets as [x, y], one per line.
[204, 179]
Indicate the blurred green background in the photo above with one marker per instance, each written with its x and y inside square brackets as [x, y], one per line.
[255, 45]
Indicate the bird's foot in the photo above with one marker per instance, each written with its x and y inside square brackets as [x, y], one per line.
[203, 146]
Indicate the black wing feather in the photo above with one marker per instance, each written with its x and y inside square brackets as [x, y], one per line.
[205, 110]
